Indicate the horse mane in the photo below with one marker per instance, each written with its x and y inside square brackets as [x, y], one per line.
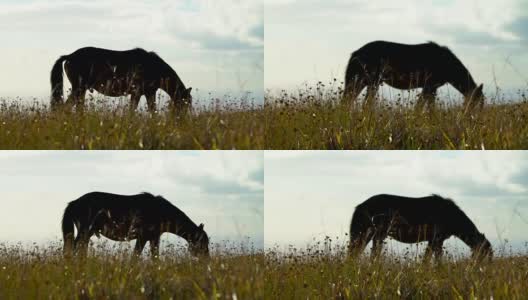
[447, 200]
[452, 204]
[171, 206]
[450, 55]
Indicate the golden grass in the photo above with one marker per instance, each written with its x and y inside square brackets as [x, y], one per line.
[44, 274]
[314, 118]
[232, 126]
[318, 274]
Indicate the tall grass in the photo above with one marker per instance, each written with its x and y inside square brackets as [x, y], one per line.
[43, 273]
[314, 118]
[315, 273]
[229, 126]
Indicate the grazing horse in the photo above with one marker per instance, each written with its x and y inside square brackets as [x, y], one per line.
[143, 217]
[411, 220]
[427, 66]
[117, 73]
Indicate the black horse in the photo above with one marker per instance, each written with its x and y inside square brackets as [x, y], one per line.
[427, 66]
[117, 73]
[411, 220]
[143, 217]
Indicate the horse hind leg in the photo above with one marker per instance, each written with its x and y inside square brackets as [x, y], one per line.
[81, 242]
[377, 246]
[359, 242]
[77, 96]
[427, 97]
[352, 90]
[382, 225]
[370, 98]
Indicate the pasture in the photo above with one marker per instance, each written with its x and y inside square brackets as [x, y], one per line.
[314, 118]
[322, 271]
[42, 272]
[229, 124]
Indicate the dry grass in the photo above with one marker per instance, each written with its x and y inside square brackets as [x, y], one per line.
[314, 273]
[314, 118]
[44, 274]
[230, 126]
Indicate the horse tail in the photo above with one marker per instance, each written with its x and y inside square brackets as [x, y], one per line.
[57, 81]
[360, 227]
[67, 228]
[353, 73]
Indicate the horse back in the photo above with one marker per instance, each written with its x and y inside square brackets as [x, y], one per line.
[403, 57]
[141, 205]
[93, 53]
[423, 210]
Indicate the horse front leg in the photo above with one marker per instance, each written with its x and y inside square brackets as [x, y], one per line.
[154, 248]
[151, 101]
[427, 97]
[370, 98]
[438, 249]
[430, 97]
[434, 247]
[352, 90]
[140, 244]
[134, 101]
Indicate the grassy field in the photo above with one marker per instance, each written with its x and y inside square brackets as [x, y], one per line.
[311, 273]
[229, 126]
[44, 274]
[314, 119]
[319, 274]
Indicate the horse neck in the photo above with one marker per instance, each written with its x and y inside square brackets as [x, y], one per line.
[468, 232]
[175, 85]
[184, 228]
[462, 81]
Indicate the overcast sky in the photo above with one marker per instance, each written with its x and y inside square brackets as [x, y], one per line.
[212, 45]
[311, 40]
[223, 190]
[312, 194]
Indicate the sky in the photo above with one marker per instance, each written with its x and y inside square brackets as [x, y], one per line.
[312, 194]
[223, 190]
[311, 40]
[214, 46]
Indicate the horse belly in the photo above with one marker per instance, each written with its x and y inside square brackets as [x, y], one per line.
[119, 233]
[115, 81]
[411, 234]
[405, 81]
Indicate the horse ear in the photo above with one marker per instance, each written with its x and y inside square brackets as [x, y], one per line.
[480, 87]
[188, 91]
[201, 226]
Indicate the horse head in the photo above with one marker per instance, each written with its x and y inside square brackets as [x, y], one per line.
[481, 247]
[199, 243]
[182, 101]
[474, 97]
